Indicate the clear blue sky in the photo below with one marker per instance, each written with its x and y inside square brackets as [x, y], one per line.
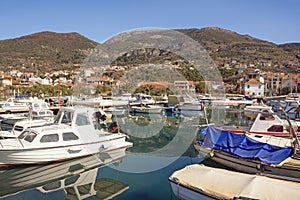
[276, 21]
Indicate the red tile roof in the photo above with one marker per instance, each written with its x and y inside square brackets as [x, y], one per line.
[254, 81]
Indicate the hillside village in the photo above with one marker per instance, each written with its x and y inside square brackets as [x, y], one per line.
[47, 62]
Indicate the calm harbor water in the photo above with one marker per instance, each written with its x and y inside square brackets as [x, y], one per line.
[161, 145]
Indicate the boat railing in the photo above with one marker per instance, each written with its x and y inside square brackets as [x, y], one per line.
[295, 142]
[2, 146]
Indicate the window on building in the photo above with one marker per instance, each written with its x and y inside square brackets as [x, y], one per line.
[248, 86]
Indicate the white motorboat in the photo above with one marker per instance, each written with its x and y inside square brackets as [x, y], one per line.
[38, 115]
[117, 111]
[190, 106]
[202, 182]
[40, 110]
[10, 105]
[142, 98]
[74, 133]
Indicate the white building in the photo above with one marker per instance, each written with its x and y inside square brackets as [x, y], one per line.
[42, 81]
[254, 88]
[185, 85]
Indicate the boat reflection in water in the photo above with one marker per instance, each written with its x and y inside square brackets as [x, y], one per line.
[76, 178]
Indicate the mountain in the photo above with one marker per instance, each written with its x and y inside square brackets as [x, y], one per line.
[226, 46]
[293, 48]
[49, 51]
[44, 51]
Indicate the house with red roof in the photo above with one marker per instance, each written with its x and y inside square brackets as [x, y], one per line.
[254, 88]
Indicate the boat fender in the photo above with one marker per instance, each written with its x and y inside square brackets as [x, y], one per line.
[211, 153]
[260, 167]
[176, 180]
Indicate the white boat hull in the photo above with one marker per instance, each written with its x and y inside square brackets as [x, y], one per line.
[202, 182]
[22, 156]
[184, 193]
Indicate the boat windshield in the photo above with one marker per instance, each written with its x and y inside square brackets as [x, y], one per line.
[64, 117]
[27, 136]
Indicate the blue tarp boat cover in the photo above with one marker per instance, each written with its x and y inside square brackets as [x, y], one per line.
[243, 146]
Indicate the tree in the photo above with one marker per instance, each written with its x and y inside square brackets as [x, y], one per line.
[286, 90]
[103, 89]
[201, 87]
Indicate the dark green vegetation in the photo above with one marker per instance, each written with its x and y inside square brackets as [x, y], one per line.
[36, 90]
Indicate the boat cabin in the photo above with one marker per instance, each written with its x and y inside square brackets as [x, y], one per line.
[71, 125]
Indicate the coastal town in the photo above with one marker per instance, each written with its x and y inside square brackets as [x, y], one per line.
[255, 83]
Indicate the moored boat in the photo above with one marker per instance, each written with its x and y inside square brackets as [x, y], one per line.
[38, 115]
[10, 105]
[202, 182]
[289, 106]
[268, 123]
[245, 154]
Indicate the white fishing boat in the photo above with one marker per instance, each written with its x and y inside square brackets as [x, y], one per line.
[201, 182]
[74, 133]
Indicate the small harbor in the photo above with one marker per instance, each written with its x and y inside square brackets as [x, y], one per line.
[162, 143]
